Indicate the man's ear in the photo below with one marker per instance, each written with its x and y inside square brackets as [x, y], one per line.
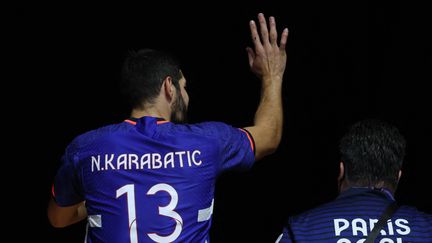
[341, 171]
[341, 178]
[168, 88]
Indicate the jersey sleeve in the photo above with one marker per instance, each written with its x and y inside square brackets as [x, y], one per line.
[66, 188]
[236, 145]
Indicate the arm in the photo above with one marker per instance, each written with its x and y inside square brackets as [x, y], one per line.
[64, 216]
[268, 62]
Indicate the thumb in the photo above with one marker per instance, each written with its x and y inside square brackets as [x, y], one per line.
[251, 56]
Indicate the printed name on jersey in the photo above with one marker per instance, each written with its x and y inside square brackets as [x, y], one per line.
[150, 161]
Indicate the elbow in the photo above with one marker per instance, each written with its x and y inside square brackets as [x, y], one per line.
[272, 148]
[57, 216]
[265, 151]
[60, 217]
[56, 222]
[275, 142]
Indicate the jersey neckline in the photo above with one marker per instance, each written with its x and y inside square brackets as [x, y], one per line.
[134, 120]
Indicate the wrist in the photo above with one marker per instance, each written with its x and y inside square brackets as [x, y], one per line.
[271, 79]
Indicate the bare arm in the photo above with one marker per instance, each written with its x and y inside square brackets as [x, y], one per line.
[267, 60]
[64, 216]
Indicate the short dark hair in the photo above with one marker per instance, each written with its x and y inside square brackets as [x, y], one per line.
[372, 151]
[143, 74]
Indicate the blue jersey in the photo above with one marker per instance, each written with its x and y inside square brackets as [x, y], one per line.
[352, 216]
[149, 180]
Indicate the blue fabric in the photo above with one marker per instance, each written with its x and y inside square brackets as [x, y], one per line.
[113, 165]
[351, 217]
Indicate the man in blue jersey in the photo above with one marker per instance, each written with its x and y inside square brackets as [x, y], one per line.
[372, 153]
[151, 178]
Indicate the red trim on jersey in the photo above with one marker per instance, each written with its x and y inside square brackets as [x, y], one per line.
[52, 190]
[131, 122]
[161, 122]
[250, 139]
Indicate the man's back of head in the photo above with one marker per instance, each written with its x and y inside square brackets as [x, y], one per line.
[372, 152]
[143, 74]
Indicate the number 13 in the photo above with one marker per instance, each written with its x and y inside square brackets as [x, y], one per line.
[168, 211]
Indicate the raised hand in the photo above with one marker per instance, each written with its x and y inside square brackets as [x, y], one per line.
[268, 59]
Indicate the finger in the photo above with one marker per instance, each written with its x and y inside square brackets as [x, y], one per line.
[263, 28]
[273, 32]
[251, 56]
[255, 37]
[283, 39]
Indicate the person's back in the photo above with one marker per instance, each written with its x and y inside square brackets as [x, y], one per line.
[371, 159]
[352, 216]
[149, 168]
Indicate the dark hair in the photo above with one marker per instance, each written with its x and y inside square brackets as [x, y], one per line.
[143, 74]
[372, 151]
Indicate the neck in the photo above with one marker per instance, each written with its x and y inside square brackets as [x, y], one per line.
[151, 111]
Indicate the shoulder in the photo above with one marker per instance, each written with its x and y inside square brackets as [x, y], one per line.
[208, 129]
[414, 213]
[410, 219]
[313, 213]
[98, 135]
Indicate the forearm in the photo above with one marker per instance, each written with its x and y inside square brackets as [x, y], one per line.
[268, 121]
[269, 111]
[65, 216]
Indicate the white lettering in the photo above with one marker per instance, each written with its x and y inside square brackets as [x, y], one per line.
[343, 240]
[122, 161]
[148, 161]
[386, 240]
[109, 162]
[338, 227]
[390, 227]
[157, 163]
[95, 162]
[180, 154]
[145, 160]
[402, 223]
[169, 160]
[189, 158]
[372, 223]
[359, 225]
[133, 159]
[194, 160]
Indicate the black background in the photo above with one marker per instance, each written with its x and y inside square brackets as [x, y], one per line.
[347, 61]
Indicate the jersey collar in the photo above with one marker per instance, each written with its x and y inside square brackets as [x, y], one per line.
[362, 190]
[134, 120]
